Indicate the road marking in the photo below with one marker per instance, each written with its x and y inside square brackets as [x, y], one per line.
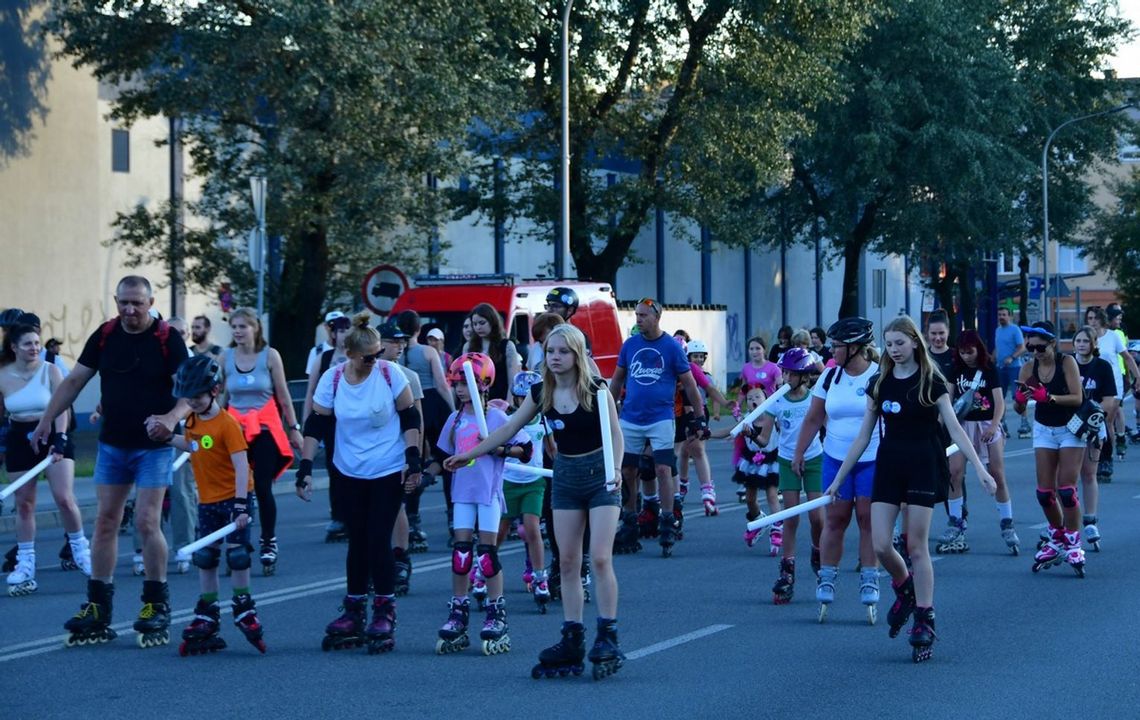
[1039, 526]
[1136, 497]
[674, 642]
[1016, 453]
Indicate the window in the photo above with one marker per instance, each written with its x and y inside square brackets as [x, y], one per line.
[1069, 260]
[121, 151]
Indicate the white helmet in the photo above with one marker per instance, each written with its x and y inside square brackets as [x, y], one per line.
[696, 346]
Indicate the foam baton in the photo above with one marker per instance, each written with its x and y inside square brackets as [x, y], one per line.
[529, 470]
[768, 402]
[476, 405]
[607, 439]
[26, 477]
[952, 449]
[179, 461]
[185, 552]
[821, 501]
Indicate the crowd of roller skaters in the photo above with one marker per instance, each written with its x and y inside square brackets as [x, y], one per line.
[872, 425]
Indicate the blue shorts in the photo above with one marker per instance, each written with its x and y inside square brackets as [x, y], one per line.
[124, 466]
[214, 516]
[858, 483]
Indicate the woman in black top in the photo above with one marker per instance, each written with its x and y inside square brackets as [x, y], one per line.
[1098, 383]
[582, 489]
[909, 397]
[980, 409]
[937, 336]
[782, 345]
[489, 338]
[1053, 381]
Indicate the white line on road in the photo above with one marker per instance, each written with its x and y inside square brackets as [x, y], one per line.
[1039, 526]
[674, 642]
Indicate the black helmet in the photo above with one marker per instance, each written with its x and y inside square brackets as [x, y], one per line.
[852, 331]
[9, 317]
[197, 375]
[564, 296]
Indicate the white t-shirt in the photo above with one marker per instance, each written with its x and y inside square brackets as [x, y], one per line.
[534, 358]
[536, 430]
[1111, 347]
[314, 361]
[788, 418]
[369, 443]
[846, 404]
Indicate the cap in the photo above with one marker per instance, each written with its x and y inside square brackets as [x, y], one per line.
[53, 341]
[333, 315]
[1043, 328]
[436, 333]
[1114, 311]
[391, 331]
[29, 319]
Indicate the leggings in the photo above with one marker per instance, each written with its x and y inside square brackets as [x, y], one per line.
[265, 458]
[372, 509]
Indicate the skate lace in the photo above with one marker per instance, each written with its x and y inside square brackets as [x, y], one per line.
[148, 611]
[88, 608]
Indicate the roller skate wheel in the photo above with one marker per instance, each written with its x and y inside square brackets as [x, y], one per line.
[823, 607]
[922, 654]
[267, 570]
[872, 614]
[326, 643]
[536, 672]
[149, 640]
[68, 565]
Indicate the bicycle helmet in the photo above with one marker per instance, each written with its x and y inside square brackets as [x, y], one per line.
[852, 331]
[564, 296]
[197, 375]
[482, 365]
[523, 382]
[796, 360]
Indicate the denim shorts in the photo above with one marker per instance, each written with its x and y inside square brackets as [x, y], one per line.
[124, 466]
[1047, 437]
[579, 483]
[213, 516]
[859, 481]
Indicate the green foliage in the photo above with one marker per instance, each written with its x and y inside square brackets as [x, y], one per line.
[1115, 242]
[25, 71]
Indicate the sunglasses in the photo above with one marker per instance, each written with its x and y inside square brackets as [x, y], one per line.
[1036, 348]
[370, 358]
[656, 306]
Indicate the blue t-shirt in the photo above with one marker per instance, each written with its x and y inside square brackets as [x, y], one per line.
[653, 368]
[1006, 340]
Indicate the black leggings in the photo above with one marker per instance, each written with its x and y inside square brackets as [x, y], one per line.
[372, 509]
[265, 459]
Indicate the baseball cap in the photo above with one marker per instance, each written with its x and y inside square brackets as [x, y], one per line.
[436, 333]
[333, 315]
[391, 331]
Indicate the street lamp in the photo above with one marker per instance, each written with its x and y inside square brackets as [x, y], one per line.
[1045, 201]
[562, 256]
[257, 251]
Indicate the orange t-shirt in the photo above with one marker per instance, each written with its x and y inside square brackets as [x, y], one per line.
[217, 438]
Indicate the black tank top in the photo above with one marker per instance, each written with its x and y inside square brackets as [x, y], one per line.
[576, 433]
[1049, 414]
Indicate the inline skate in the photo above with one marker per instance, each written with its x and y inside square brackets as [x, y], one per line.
[606, 655]
[453, 634]
[587, 578]
[903, 606]
[347, 631]
[683, 488]
[494, 633]
[138, 567]
[478, 586]
[1091, 532]
[785, 585]
[825, 589]
[626, 539]
[869, 592]
[528, 574]
[1121, 443]
[565, 656]
[922, 635]
[128, 517]
[403, 571]
[751, 535]
[153, 622]
[245, 619]
[708, 497]
[76, 555]
[202, 635]
[554, 578]
[1009, 535]
[92, 624]
[1074, 555]
[269, 556]
[667, 531]
[776, 539]
[22, 580]
[541, 591]
[953, 541]
[417, 538]
[336, 532]
[1051, 552]
[380, 631]
[649, 519]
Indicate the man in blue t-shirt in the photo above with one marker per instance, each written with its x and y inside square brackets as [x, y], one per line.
[654, 363]
[1009, 346]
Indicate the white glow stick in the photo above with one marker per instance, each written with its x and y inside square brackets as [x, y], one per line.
[768, 402]
[607, 439]
[476, 403]
[185, 552]
[821, 501]
[529, 470]
[952, 449]
[26, 477]
[179, 461]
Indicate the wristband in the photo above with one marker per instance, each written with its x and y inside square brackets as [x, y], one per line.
[240, 507]
[412, 458]
[303, 472]
[58, 443]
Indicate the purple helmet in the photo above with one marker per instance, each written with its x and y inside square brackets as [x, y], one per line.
[796, 360]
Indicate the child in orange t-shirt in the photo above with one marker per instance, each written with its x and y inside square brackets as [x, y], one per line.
[217, 448]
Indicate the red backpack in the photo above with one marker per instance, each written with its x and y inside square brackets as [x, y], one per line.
[162, 333]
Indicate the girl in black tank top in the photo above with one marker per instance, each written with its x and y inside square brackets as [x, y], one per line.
[1050, 413]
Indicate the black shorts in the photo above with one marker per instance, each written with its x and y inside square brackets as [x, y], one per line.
[20, 458]
[681, 426]
[916, 474]
[215, 516]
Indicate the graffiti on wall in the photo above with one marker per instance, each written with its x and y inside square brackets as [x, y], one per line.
[73, 326]
[733, 339]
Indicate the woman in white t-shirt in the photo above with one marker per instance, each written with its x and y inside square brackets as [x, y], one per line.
[1113, 350]
[839, 399]
[377, 452]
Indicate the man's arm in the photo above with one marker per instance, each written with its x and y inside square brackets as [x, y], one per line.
[63, 397]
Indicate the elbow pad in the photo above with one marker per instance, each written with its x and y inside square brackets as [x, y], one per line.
[409, 419]
[317, 426]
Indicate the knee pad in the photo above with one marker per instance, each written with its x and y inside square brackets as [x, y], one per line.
[666, 457]
[1046, 497]
[207, 558]
[462, 558]
[238, 558]
[1068, 495]
[488, 561]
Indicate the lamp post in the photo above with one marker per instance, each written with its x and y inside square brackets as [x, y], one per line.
[562, 253]
[257, 188]
[1045, 201]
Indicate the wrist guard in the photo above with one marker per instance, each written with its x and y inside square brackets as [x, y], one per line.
[412, 458]
[240, 507]
[303, 473]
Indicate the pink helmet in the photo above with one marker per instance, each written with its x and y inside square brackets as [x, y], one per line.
[796, 360]
[482, 365]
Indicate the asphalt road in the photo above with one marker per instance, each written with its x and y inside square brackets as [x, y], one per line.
[702, 635]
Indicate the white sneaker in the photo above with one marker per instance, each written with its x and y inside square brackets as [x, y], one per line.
[81, 555]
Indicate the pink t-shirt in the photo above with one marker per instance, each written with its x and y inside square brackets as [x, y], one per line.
[483, 481]
[699, 375]
[767, 376]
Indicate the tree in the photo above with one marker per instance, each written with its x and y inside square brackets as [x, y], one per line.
[1115, 242]
[25, 69]
[696, 102]
[345, 106]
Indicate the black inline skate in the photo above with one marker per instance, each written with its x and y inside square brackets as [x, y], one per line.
[678, 523]
[453, 635]
[494, 633]
[153, 623]
[245, 619]
[380, 630]
[336, 532]
[347, 631]
[903, 606]
[648, 521]
[922, 635]
[92, 624]
[587, 578]
[403, 571]
[666, 532]
[417, 538]
[626, 539]
[785, 585]
[565, 656]
[606, 655]
[202, 636]
[269, 556]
